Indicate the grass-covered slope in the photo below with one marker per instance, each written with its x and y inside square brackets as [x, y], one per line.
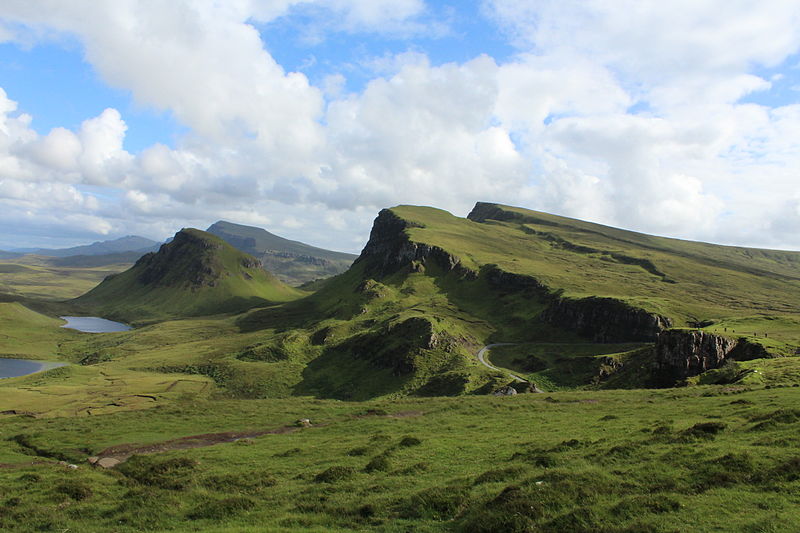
[54, 278]
[195, 274]
[699, 460]
[430, 289]
[292, 262]
[688, 281]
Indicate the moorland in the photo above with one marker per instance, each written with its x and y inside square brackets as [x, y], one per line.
[668, 375]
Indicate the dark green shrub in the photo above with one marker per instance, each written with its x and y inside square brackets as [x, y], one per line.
[494, 476]
[650, 503]
[702, 430]
[771, 420]
[415, 469]
[536, 457]
[379, 463]
[13, 502]
[409, 441]
[74, 489]
[436, 503]
[219, 509]
[356, 452]
[724, 471]
[289, 453]
[334, 474]
[173, 474]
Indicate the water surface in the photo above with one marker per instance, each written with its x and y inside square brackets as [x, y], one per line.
[93, 324]
[14, 368]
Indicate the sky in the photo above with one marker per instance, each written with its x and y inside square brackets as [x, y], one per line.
[141, 117]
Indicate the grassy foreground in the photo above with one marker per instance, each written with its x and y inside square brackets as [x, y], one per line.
[696, 459]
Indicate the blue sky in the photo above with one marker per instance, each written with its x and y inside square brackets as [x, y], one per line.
[677, 120]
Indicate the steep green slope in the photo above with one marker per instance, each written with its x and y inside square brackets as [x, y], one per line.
[291, 261]
[430, 289]
[195, 274]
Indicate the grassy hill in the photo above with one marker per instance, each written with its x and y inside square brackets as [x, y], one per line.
[430, 288]
[203, 410]
[292, 262]
[195, 274]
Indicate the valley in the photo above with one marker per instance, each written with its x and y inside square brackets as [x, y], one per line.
[656, 384]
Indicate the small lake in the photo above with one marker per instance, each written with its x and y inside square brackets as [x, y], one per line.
[13, 368]
[92, 324]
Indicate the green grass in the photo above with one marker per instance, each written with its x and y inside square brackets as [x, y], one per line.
[556, 366]
[41, 278]
[368, 357]
[25, 334]
[195, 274]
[662, 461]
[706, 282]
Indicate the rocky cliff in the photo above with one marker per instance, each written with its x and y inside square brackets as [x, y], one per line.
[605, 319]
[684, 353]
[390, 249]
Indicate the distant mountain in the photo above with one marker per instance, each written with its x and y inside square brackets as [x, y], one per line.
[131, 243]
[8, 255]
[195, 274]
[292, 261]
[92, 261]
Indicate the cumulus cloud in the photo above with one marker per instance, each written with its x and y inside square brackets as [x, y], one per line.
[627, 113]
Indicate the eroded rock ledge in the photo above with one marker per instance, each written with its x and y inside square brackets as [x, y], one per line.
[389, 249]
[605, 319]
[685, 353]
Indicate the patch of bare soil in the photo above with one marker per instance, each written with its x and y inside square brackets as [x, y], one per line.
[121, 452]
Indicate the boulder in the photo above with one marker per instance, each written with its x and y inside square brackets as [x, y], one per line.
[107, 462]
[508, 390]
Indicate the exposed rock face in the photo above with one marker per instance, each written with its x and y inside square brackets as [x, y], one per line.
[191, 253]
[605, 319]
[397, 346]
[505, 391]
[685, 353]
[389, 249]
[508, 281]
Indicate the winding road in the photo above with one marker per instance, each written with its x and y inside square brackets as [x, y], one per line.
[482, 359]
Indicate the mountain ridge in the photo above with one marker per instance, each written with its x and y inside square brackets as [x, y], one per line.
[293, 262]
[128, 243]
[195, 274]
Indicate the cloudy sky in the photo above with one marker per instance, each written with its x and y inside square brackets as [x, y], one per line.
[677, 118]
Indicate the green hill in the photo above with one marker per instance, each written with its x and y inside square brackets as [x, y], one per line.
[582, 301]
[291, 261]
[195, 274]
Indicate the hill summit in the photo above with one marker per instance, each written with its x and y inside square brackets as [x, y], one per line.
[195, 274]
[293, 262]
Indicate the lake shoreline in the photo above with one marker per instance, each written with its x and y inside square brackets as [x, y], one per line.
[93, 324]
[15, 368]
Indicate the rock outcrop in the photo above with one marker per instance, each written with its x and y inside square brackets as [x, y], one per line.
[389, 250]
[684, 353]
[605, 319]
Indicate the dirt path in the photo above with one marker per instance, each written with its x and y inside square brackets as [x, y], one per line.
[111, 457]
[114, 455]
[482, 359]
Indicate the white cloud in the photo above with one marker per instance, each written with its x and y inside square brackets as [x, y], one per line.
[625, 112]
